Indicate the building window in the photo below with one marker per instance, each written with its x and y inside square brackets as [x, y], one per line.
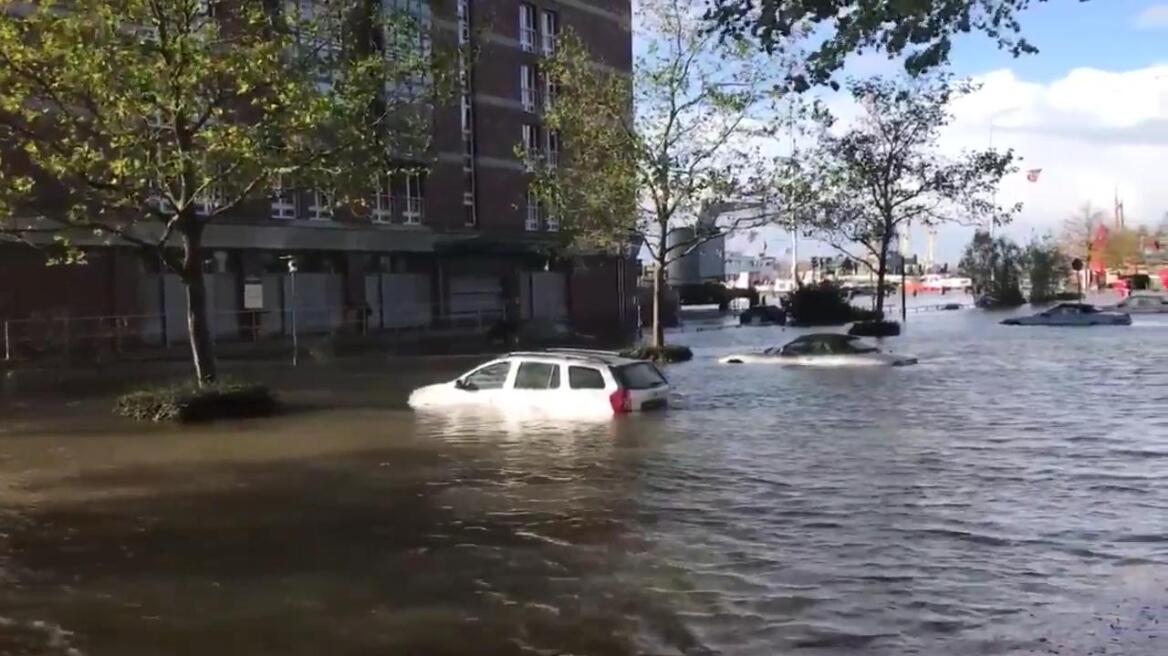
[527, 87]
[382, 201]
[552, 223]
[321, 208]
[283, 200]
[553, 148]
[463, 22]
[527, 27]
[410, 196]
[531, 144]
[532, 222]
[550, 91]
[469, 214]
[550, 32]
[466, 116]
[209, 201]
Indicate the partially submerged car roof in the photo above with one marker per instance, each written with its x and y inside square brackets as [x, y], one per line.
[591, 356]
[830, 338]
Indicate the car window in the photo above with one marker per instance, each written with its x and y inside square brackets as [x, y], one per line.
[797, 348]
[585, 378]
[641, 375]
[489, 377]
[537, 376]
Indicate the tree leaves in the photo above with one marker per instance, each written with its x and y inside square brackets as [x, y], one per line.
[871, 182]
[920, 30]
[133, 112]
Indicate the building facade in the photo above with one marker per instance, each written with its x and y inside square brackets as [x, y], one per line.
[457, 240]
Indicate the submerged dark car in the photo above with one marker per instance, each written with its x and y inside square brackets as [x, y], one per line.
[823, 350]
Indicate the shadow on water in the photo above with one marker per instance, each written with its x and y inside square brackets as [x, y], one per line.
[261, 541]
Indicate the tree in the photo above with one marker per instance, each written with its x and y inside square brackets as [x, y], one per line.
[1123, 246]
[1047, 267]
[1079, 233]
[140, 122]
[994, 265]
[673, 173]
[863, 186]
[922, 32]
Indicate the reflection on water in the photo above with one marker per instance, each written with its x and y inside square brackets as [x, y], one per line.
[1005, 496]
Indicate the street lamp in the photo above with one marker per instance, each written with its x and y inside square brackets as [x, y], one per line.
[292, 268]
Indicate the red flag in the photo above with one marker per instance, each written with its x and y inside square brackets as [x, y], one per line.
[1032, 175]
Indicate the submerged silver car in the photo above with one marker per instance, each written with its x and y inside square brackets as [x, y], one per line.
[1143, 302]
[1072, 314]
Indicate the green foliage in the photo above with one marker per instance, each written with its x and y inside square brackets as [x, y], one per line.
[175, 111]
[141, 121]
[661, 151]
[995, 267]
[921, 31]
[863, 186]
[191, 403]
[823, 304]
[1047, 268]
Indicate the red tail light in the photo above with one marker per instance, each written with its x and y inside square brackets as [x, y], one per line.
[621, 401]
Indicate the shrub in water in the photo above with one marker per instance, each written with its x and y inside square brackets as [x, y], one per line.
[661, 354]
[188, 403]
[823, 305]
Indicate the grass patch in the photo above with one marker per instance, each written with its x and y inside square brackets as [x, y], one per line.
[660, 354]
[187, 403]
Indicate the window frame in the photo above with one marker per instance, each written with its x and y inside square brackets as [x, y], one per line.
[591, 368]
[553, 375]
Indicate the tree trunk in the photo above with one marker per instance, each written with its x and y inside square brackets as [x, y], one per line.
[658, 305]
[202, 350]
[881, 270]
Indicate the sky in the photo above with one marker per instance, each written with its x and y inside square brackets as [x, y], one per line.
[1090, 110]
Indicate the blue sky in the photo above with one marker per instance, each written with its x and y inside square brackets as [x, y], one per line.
[1071, 34]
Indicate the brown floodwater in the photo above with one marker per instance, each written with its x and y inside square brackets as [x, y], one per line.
[1009, 495]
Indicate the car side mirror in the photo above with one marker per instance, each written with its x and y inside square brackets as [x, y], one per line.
[465, 386]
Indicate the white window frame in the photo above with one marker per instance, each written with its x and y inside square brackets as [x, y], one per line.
[549, 31]
[527, 29]
[284, 201]
[466, 116]
[551, 223]
[550, 91]
[531, 144]
[382, 201]
[463, 22]
[412, 207]
[527, 87]
[532, 223]
[552, 153]
[321, 207]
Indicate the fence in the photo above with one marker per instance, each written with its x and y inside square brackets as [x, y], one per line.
[108, 337]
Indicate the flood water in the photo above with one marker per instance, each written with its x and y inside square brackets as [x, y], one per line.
[1009, 495]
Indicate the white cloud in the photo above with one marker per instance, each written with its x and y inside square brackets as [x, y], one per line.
[1152, 18]
[1092, 132]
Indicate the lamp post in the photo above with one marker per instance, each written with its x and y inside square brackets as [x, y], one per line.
[292, 267]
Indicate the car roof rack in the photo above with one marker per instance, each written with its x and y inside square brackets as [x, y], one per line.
[611, 354]
[606, 357]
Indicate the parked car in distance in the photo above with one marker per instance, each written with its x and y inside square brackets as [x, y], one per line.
[1142, 302]
[560, 382]
[823, 350]
[1072, 314]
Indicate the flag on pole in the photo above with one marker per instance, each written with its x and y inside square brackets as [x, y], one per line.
[1032, 175]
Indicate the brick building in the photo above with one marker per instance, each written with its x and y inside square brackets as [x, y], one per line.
[459, 240]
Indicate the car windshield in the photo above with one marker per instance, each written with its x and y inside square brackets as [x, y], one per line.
[827, 345]
[641, 375]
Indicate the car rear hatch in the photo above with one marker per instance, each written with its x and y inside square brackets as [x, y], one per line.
[643, 385]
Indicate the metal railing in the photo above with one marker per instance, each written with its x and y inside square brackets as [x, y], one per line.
[67, 338]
